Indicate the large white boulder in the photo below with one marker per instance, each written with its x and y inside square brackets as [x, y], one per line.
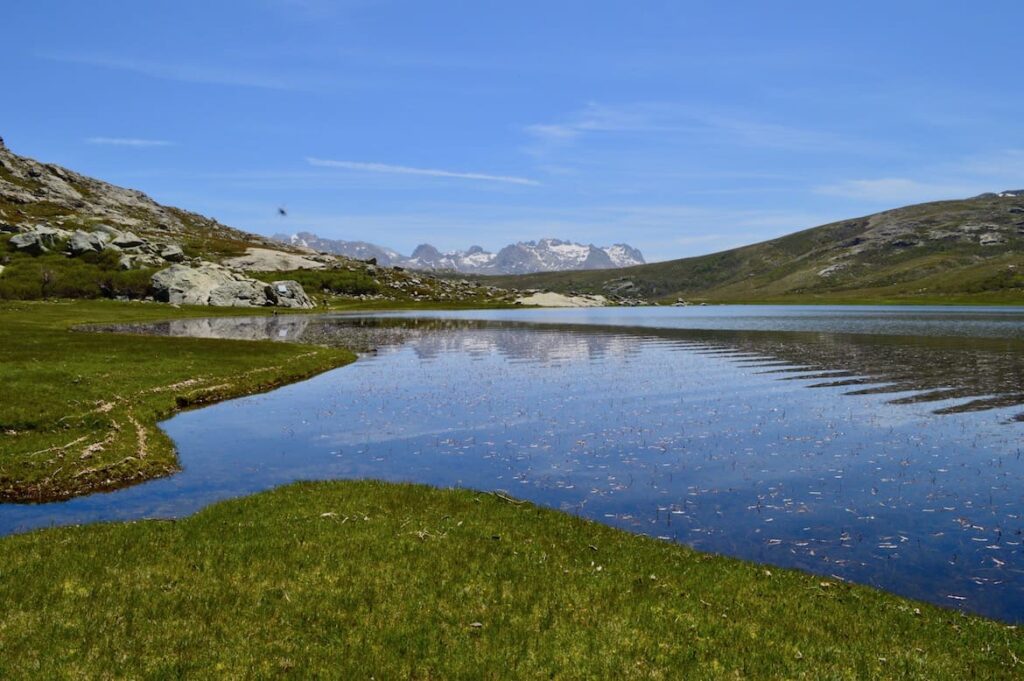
[211, 284]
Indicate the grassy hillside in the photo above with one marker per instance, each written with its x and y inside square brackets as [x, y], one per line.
[970, 250]
[372, 580]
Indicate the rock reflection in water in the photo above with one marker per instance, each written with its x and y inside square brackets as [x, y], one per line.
[893, 461]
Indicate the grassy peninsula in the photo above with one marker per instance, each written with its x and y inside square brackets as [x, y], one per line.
[78, 411]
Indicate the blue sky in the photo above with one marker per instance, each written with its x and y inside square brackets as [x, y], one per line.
[679, 127]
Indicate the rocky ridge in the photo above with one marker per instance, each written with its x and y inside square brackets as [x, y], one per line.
[545, 255]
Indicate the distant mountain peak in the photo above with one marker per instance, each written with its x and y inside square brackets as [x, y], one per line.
[524, 257]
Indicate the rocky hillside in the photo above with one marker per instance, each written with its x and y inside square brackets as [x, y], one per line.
[946, 250]
[524, 257]
[63, 234]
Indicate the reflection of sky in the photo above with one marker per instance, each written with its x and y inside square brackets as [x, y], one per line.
[706, 438]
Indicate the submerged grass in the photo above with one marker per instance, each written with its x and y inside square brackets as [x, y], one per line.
[375, 580]
[78, 411]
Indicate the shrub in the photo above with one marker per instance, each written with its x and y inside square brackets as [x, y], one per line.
[342, 282]
[53, 275]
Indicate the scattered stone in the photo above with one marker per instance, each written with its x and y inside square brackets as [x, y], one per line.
[991, 239]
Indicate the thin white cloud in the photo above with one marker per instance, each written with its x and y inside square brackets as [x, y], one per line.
[899, 190]
[183, 71]
[128, 142]
[668, 119]
[429, 172]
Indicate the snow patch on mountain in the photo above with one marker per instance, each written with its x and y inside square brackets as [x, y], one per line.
[524, 257]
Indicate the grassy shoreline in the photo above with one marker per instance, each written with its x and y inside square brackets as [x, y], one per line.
[369, 579]
[78, 411]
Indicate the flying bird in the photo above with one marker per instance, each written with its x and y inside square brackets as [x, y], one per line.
[282, 211]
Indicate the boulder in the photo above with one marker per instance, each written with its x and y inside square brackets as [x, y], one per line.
[39, 239]
[86, 242]
[128, 240]
[172, 253]
[288, 293]
[208, 284]
[211, 284]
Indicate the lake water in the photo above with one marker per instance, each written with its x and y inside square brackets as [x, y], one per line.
[878, 445]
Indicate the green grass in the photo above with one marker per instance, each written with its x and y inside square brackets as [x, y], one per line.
[373, 580]
[78, 411]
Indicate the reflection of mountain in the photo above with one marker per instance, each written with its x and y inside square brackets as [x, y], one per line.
[965, 374]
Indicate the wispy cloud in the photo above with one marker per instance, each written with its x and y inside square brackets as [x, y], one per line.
[186, 72]
[897, 190]
[675, 119]
[128, 142]
[992, 171]
[429, 172]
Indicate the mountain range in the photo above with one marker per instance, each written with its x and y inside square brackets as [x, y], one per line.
[524, 257]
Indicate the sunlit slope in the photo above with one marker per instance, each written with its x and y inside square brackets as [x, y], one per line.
[966, 248]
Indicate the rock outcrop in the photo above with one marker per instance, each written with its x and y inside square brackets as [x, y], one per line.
[216, 285]
[267, 260]
[40, 239]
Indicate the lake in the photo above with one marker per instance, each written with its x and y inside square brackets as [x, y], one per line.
[879, 445]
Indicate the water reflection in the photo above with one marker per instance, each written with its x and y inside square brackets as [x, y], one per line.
[965, 372]
[890, 460]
